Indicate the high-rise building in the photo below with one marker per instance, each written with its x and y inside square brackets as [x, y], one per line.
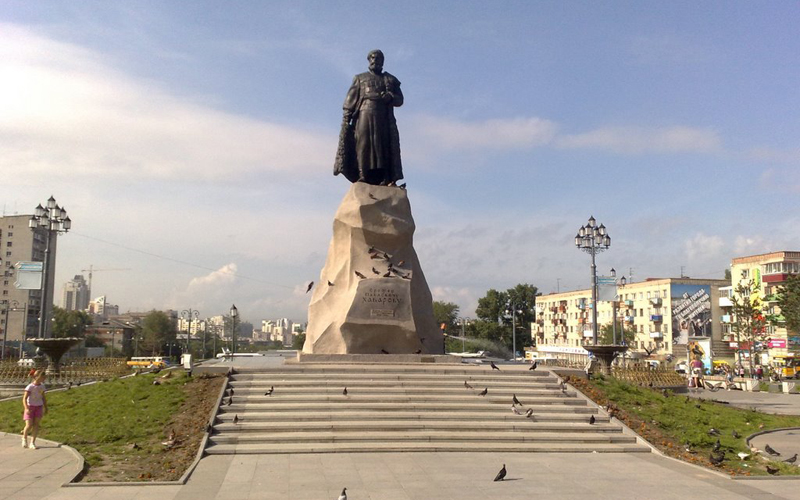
[75, 294]
[100, 307]
[18, 243]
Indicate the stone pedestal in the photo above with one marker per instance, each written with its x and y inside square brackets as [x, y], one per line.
[371, 297]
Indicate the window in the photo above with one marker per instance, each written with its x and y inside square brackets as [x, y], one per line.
[640, 295]
[9, 244]
[10, 234]
[648, 295]
[8, 254]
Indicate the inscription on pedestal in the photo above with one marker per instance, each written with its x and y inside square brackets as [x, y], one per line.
[383, 299]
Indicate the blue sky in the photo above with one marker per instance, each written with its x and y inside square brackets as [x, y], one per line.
[192, 142]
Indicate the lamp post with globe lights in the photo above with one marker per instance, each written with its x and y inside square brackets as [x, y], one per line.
[53, 220]
[187, 315]
[234, 317]
[593, 239]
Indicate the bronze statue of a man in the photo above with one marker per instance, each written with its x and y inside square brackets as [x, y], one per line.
[369, 144]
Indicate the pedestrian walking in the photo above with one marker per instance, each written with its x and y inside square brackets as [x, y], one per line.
[34, 405]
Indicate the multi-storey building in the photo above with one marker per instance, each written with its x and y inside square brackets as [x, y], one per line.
[101, 308]
[664, 313]
[19, 309]
[75, 294]
[195, 326]
[767, 272]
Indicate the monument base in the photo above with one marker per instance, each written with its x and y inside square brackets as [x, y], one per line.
[304, 357]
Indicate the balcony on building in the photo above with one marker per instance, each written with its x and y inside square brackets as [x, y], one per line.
[629, 303]
[726, 318]
[628, 319]
[657, 318]
[656, 301]
[656, 335]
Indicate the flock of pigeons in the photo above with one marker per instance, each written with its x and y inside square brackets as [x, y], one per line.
[717, 455]
[392, 270]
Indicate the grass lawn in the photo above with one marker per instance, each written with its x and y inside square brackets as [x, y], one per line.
[119, 425]
[672, 422]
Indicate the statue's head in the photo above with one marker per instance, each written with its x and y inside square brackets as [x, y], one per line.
[375, 58]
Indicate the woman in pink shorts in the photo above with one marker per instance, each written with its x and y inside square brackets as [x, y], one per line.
[34, 404]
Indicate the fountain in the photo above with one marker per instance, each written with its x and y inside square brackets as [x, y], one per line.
[606, 354]
[54, 349]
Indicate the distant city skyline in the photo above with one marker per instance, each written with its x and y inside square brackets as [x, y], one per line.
[193, 143]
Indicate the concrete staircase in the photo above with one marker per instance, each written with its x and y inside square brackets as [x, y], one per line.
[401, 408]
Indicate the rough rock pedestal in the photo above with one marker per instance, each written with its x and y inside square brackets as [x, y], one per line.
[390, 309]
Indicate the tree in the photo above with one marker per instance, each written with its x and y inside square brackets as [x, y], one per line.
[157, 330]
[93, 341]
[789, 303]
[606, 334]
[447, 313]
[298, 341]
[70, 323]
[749, 323]
[496, 307]
[728, 274]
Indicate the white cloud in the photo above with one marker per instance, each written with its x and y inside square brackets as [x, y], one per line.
[512, 133]
[638, 140]
[222, 277]
[463, 296]
[67, 111]
[750, 245]
[703, 247]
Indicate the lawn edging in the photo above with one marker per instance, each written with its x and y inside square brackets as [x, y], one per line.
[760, 433]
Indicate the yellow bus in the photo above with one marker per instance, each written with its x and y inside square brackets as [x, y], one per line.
[148, 362]
[786, 366]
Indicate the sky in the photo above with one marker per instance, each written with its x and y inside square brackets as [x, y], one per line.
[192, 143]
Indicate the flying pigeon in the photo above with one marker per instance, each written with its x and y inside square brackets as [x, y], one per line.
[344, 392]
[360, 275]
[591, 420]
[310, 285]
[515, 400]
[236, 419]
[494, 366]
[484, 392]
[501, 475]
[467, 386]
[343, 496]
[772, 452]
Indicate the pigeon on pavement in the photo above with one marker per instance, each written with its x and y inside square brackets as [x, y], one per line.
[772, 452]
[515, 400]
[792, 459]
[533, 366]
[270, 391]
[466, 385]
[236, 419]
[494, 366]
[484, 392]
[515, 411]
[343, 496]
[501, 475]
[772, 470]
[344, 392]
[591, 420]
[529, 413]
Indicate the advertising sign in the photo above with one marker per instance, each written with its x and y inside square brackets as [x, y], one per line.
[29, 275]
[777, 343]
[691, 312]
[606, 288]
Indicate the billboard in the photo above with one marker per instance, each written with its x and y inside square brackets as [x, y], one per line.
[691, 312]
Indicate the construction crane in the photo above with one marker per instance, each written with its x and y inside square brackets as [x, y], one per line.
[92, 269]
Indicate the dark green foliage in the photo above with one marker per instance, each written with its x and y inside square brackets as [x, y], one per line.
[789, 303]
[69, 323]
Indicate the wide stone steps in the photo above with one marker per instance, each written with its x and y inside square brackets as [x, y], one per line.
[464, 416]
[417, 426]
[384, 436]
[424, 446]
[414, 408]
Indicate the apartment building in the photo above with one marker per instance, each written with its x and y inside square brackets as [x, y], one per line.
[666, 314]
[75, 294]
[768, 272]
[19, 309]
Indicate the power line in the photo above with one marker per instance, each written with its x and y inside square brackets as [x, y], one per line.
[163, 257]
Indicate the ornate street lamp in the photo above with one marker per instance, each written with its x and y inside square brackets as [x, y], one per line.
[513, 309]
[593, 239]
[187, 315]
[463, 322]
[54, 220]
[234, 316]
